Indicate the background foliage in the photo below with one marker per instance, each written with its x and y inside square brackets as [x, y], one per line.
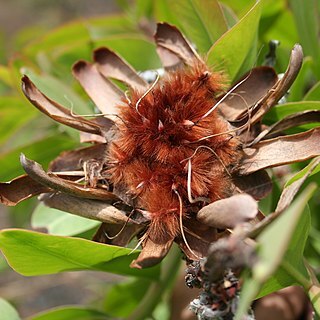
[234, 36]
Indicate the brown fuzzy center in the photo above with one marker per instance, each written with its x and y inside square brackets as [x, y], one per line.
[170, 136]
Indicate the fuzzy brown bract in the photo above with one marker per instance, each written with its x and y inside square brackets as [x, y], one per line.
[174, 160]
[172, 129]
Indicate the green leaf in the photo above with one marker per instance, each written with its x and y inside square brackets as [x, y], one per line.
[293, 258]
[314, 295]
[28, 34]
[230, 16]
[143, 8]
[306, 14]
[130, 292]
[298, 88]
[3, 263]
[71, 313]
[163, 12]
[271, 7]
[282, 110]
[284, 236]
[278, 25]
[61, 63]
[302, 172]
[240, 7]
[268, 204]
[32, 253]
[280, 244]
[60, 223]
[232, 49]
[54, 40]
[83, 33]
[58, 91]
[57, 50]
[202, 21]
[314, 93]
[14, 114]
[314, 290]
[131, 49]
[315, 239]
[7, 311]
[106, 26]
[42, 151]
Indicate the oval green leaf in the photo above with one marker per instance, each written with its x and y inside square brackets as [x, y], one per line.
[32, 253]
[314, 295]
[60, 223]
[298, 88]
[203, 22]
[232, 49]
[282, 110]
[304, 171]
[314, 93]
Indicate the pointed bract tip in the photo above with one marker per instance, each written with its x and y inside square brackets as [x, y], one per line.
[25, 83]
[22, 158]
[296, 57]
[25, 78]
[26, 163]
[79, 66]
[298, 48]
[135, 265]
[101, 54]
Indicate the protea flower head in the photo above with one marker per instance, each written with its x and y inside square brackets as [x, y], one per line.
[179, 159]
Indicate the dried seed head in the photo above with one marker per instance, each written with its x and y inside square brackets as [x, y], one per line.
[163, 128]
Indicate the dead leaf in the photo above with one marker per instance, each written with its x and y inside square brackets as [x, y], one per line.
[173, 47]
[55, 111]
[116, 234]
[168, 59]
[110, 65]
[103, 92]
[19, 189]
[199, 237]
[230, 212]
[152, 252]
[91, 138]
[281, 150]
[256, 85]
[285, 200]
[74, 159]
[288, 303]
[228, 253]
[88, 208]
[276, 92]
[290, 191]
[294, 120]
[258, 184]
[35, 171]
